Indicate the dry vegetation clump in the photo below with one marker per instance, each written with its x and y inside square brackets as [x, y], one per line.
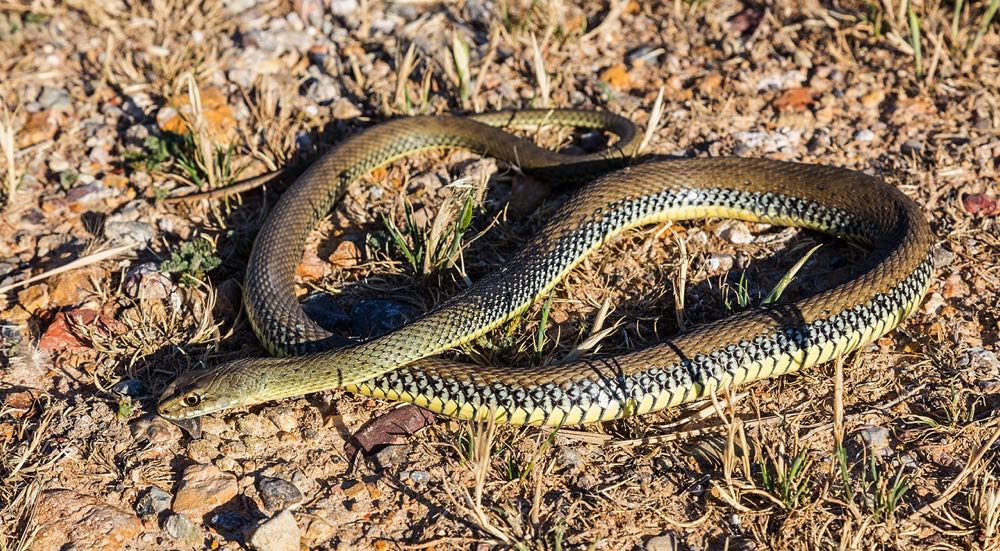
[110, 288]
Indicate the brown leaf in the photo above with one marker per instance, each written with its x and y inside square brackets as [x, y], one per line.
[388, 429]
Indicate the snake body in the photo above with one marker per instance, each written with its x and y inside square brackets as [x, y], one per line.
[755, 344]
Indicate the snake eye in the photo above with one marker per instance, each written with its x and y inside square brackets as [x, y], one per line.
[192, 400]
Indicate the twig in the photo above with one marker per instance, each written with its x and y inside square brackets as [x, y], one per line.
[970, 468]
[78, 263]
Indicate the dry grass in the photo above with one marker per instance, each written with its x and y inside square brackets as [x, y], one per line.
[785, 464]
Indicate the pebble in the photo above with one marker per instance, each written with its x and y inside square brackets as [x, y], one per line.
[876, 438]
[228, 522]
[864, 135]
[254, 425]
[278, 494]
[279, 533]
[180, 528]
[129, 387]
[73, 287]
[146, 282]
[663, 542]
[912, 147]
[51, 98]
[58, 164]
[67, 519]
[343, 109]
[342, 8]
[735, 232]
[346, 254]
[61, 335]
[153, 502]
[324, 310]
[942, 257]
[982, 368]
[933, 303]
[89, 194]
[203, 488]
[718, 263]
[129, 233]
[420, 477]
[375, 317]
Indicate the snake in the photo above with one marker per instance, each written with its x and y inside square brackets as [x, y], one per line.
[624, 191]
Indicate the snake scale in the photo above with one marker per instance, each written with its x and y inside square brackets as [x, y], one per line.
[759, 343]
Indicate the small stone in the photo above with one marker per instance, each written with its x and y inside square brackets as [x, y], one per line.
[278, 494]
[617, 77]
[220, 121]
[153, 502]
[876, 438]
[228, 522]
[88, 194]
[180, 528]
[933, 304]
[420, 477]
[129, 387]
[38, 128]
[719, 263]
[34, 298]
[155, 430]
[312, 266]
[980, 360]
[735, 232]
[146, 282]
[73, 287]
[346, 254]
[228, 299]
[280, 533]
[375, 317]
[912, 147]
[954, 287]
[129, 233]
[61, 333]
[342, 8]
[864, 135]
[663, 542]
[252, 424]
[343, 109]
[873, 99]
[710, 84]
[942, 257]
[794, 99]
[202, 489]
[58, 165]
[51, 98]
[67, 519]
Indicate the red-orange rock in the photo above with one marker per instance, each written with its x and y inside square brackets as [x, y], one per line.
[61, 334]
[68, 519]
[794, 99]
[202, 489]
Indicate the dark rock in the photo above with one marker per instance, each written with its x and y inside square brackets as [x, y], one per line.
[153, 502]
[375, 317]
[324, 310]
[278, 494]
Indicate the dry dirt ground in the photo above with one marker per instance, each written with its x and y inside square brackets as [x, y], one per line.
[108, 108]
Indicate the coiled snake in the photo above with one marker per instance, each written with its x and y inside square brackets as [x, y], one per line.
[755, 344]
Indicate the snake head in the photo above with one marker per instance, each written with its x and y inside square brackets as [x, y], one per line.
[205, 391]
